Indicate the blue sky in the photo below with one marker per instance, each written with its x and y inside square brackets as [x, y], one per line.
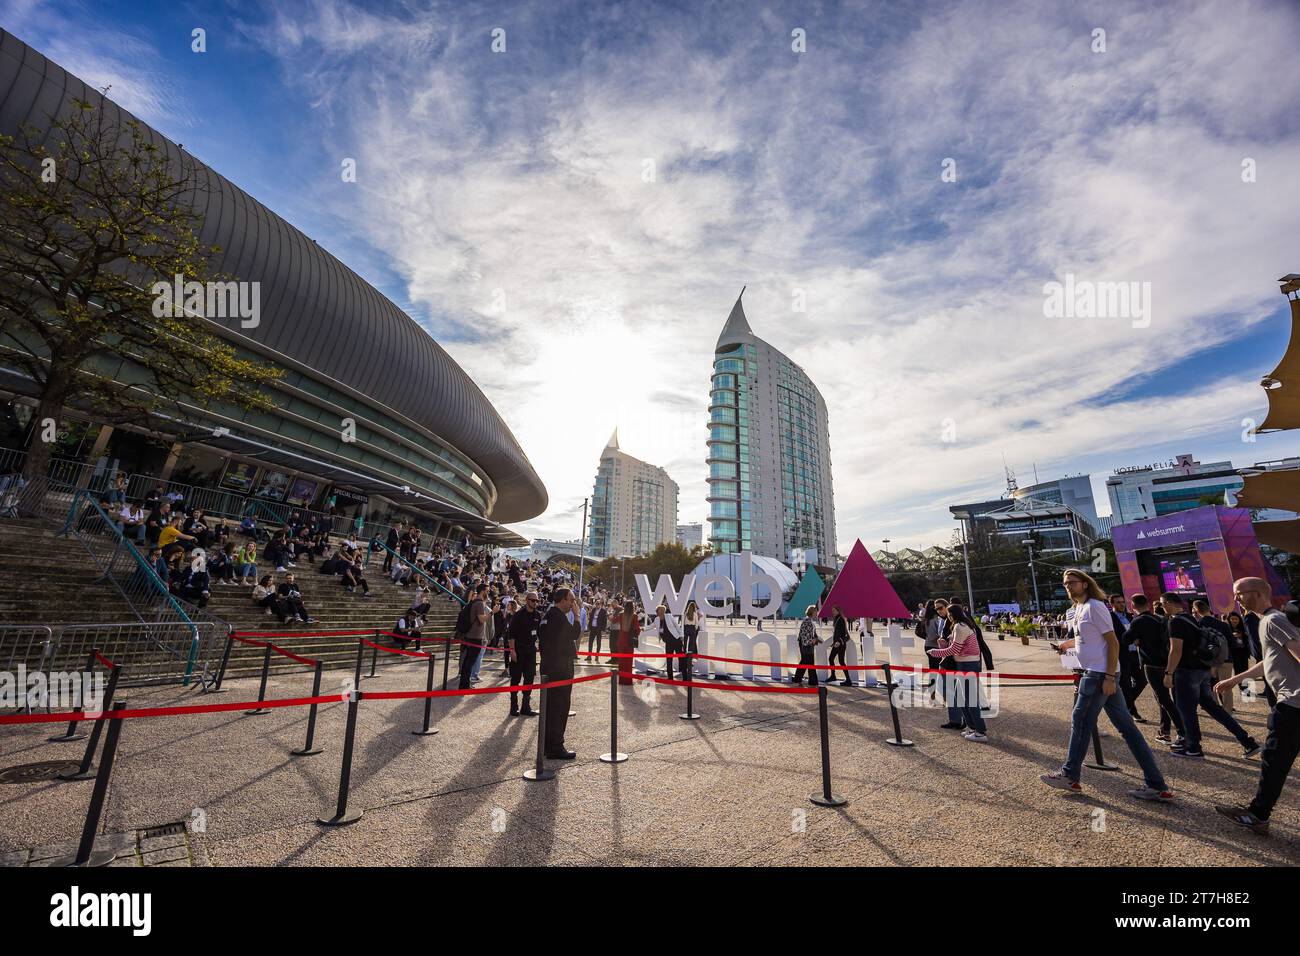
[502, 199]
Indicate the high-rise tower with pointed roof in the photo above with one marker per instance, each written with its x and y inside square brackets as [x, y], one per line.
[769, 451]
[633, 505]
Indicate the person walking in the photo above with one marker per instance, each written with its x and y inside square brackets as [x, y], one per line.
[839, 642]
[1280, 669]
[1188, 675]
[808, 641]
[1131, 679]
[1151, 635]
[1093, 641]
[962, 645]
[1221, 670]
[690, 638]
[597, 621]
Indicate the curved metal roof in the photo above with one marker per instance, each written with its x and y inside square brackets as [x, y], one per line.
[314, 309]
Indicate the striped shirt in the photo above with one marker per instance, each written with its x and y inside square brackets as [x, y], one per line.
[962, 646]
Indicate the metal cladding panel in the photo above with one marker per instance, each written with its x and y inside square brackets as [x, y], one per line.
[313, 308]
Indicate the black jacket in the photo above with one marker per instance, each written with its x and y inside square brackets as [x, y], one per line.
[1149, 633]
[521, 630]
[557, 639]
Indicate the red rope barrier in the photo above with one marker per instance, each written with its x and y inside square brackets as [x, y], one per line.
[740, 687]
[237, 634]
[293, 657]
[168, 711]
[396, 650]
[104, 660]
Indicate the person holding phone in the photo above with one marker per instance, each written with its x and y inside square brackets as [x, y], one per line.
[1093, 640]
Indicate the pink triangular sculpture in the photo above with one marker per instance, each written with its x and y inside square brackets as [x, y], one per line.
[862, 590]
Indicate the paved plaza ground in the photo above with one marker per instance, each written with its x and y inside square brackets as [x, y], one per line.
[729, 789]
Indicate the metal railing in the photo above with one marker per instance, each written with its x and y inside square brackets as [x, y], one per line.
[145, 593]
[147, 653]
[64, 471]
[29, 645]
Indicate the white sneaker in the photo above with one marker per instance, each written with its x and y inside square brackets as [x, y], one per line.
[282, 568]
[976, 737]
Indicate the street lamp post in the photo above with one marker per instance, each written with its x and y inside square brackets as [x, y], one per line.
[582, 547]
[1033, 576]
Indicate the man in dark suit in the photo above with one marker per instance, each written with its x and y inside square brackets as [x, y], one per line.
[557, 638]
[597, 621]
[1132, 678]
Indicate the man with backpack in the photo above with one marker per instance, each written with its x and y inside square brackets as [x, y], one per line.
[1222, 667]
[1193, 651]
[471, 632]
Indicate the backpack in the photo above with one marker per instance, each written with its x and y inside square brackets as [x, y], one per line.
[1212, 649]
[463, 622]
[919, 630]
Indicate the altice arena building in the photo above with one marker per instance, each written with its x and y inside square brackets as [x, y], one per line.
[428, 444]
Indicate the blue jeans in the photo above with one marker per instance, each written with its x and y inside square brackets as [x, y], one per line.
[964, 693]
[1194, 687]
[1087, 708]
[478, 662]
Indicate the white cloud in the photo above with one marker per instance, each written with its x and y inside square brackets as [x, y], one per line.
[521, 175]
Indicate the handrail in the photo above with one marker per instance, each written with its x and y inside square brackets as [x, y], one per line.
[160, 589]
[423, 573]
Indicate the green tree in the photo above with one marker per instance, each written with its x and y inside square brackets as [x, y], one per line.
[92, 213]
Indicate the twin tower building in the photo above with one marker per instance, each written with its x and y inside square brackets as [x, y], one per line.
[769, 462]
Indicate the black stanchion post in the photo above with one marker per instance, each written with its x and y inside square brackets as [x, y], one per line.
[1099, 761]
[342, 815]
[84, 772]
[690, 688]
[898, 740]
[72, 732]
[539, 771]
[361, 650]
[374, 654]
[86, 855]
[307, 748]
[446, 662]
[825, 798]
[261, 690]
[426, 730]
[225, 662]
[613, 756]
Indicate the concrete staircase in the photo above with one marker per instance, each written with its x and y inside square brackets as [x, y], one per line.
[331, 608]
[49, 579]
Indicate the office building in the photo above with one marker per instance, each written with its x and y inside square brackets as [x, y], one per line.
[769, 452]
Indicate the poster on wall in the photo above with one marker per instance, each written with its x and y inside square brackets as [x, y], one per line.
[302, 491]
[239, 476]
[272, 486]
